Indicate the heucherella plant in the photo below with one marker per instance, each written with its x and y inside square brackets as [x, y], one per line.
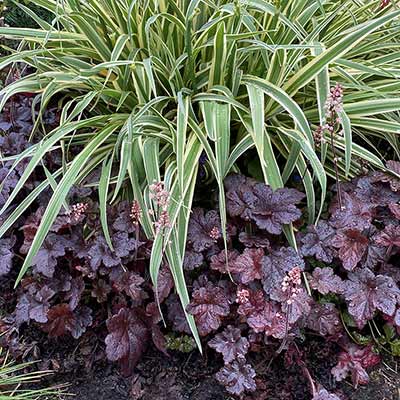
[146, 87]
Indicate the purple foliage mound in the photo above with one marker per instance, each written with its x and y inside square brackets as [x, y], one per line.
[263, 292]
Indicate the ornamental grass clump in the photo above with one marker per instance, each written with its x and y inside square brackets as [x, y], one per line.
[15, 381]
[145, 88]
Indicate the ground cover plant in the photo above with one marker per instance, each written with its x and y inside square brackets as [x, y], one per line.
[117, 115]
[342, 283]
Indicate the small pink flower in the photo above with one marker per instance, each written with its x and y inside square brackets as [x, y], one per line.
[318, 136]
[334, 102]
[77, 211]
[159, 194]
[242, 296]
[215, 233]
[290, 284]
[136, 212]
[163, 221]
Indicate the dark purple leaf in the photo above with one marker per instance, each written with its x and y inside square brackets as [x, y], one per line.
[153, 318]
[316, 242]
[176, 314]
[127, 338]
[130, 283]
[365, 292]
[123, 221]
[165, 283]
[323, 394]
[237, 377]
[239, 196]
[395, 209]
[124, 245]
[204, 229]
[393, 180]
[389, 237]
[352, 246]
[276, 265]
[100, 290]
[257, 240]
[45, 260]
[202, 280]
[34, 304]
[62, 222]
[6, 254]
[375, 255]
[373, 193]
[295, 306]
[209, 304]
[8, 182]
[30, 228]
[396, 318]
[324, 319]
[61, 282]
[272, 210]
[391, 271]
[354, 214]
[74, 216]
[212, 251]
[325, 281]
[192, 260]
[219, 261]
[152, 313]
[79, 193]
[100, 253]
[61, 319]
[83, 319]
[230, 343]
[354, 361]
[75, 293]
[262, 315]
[22, 310]
[4, 126]
[248, 265]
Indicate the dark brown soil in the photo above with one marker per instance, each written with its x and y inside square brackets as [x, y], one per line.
[157, 378]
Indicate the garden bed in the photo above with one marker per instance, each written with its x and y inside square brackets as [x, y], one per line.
[201, 199]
